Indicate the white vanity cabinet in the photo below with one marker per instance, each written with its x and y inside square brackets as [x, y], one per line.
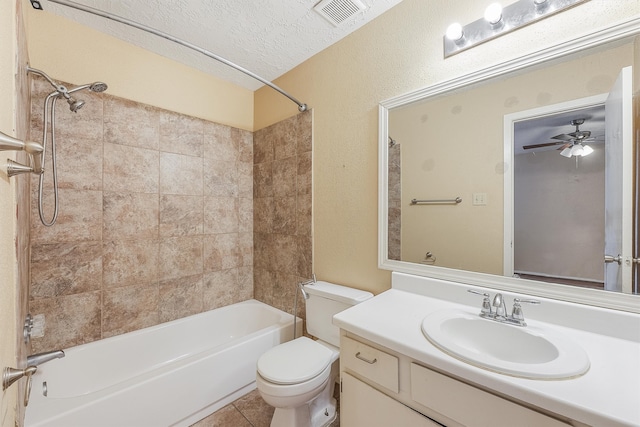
[382, 387]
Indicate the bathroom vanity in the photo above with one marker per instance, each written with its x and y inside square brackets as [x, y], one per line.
[391, 374]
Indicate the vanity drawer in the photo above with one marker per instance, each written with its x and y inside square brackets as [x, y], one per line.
[469, 405]
[369, 362]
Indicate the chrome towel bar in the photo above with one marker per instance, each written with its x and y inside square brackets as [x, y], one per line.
[437, 202]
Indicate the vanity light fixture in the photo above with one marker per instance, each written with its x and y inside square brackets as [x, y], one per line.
[498, 21]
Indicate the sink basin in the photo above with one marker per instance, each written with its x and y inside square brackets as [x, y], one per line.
[525, 352]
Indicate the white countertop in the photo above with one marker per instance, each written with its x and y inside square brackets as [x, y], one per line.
[607, 395]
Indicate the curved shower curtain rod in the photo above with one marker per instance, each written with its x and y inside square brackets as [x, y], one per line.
[38, 5]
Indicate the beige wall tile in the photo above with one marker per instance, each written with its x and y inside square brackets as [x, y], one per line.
[130, 216]
[221, 288]
[180, 297]
[181, 215]
[263, 214]
[130, 262]
[180, 174]
[130, 169]
[285, 145]
[130, 123]
[245, 180]
[65, 268]
[263, 180]
[245, 215]
[220, 180]
[263, 146]
[79, 163]
[130, 308]
[219, 143]
[79, 217]
[180, 257]
[282, 211]
[285, 173]
[220, 215]
[304, 132]
[69, 320]
[221, 252]
[284, 216]
[181, 134]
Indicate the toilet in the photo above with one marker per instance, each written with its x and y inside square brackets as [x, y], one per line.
[298, 377]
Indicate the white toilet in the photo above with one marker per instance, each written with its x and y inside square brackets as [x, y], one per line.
[298, 377]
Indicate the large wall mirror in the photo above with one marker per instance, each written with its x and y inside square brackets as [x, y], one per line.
[519, 177]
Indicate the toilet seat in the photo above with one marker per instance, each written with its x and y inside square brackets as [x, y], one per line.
[294, 362]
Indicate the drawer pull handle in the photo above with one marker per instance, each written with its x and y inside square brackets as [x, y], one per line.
[364, 359]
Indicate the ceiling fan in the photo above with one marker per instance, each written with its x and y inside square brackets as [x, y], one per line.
[571, 144]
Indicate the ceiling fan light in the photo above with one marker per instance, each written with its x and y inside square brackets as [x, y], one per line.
[577, 150]
[566, 152]
[586, 150]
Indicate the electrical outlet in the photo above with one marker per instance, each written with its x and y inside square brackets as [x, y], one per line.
[479, 199]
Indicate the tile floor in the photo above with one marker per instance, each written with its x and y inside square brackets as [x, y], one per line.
[248, 411]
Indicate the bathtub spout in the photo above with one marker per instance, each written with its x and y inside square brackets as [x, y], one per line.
[40, 358]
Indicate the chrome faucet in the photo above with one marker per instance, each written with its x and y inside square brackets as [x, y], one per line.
[500, 312]
[40, 358]
[500, 306]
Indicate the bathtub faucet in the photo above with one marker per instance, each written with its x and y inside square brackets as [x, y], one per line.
[40, 358]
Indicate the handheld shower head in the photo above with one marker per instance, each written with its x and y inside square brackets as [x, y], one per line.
[98, 87]
[74, 104]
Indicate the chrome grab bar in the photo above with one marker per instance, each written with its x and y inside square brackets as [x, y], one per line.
[437, 201]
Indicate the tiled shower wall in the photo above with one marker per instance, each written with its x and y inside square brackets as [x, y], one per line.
[394, 251]
[155, 221]
[283, 204]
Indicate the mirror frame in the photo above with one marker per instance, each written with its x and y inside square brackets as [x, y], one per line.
[611, 300]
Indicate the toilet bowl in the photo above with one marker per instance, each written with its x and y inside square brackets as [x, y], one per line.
[293, 375]
[299, 376]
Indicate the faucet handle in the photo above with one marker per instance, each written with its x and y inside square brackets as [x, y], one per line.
[486, 303]
[517, 314]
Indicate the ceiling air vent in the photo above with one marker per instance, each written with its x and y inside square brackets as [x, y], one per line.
[338, 11]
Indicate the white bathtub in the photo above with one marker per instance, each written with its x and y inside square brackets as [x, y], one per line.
[171, 374]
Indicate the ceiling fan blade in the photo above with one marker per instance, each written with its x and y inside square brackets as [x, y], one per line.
[568, 144]
[546, 144]
[563, 137]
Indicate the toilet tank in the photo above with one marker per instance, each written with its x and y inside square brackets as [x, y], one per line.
[326, 300]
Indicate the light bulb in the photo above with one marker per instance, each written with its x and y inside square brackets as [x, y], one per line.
[493, 13]
[577, 150]
[586, 150]
[566, 152]
[454, 32]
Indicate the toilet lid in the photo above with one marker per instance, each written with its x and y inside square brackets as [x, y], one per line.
[294, 361]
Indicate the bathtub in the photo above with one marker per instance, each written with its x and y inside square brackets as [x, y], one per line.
[172, 374]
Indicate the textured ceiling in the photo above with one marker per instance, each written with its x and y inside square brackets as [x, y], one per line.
[267, 37]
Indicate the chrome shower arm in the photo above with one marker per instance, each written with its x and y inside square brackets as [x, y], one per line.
[57, 87]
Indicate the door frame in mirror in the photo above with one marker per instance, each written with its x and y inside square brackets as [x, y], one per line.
[612, 300]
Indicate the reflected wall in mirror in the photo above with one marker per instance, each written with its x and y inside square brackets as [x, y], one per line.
[452, 144]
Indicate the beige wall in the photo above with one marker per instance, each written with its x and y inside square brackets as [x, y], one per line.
[8, 297]
[398, 52]
[77, 54]
[14, 207]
